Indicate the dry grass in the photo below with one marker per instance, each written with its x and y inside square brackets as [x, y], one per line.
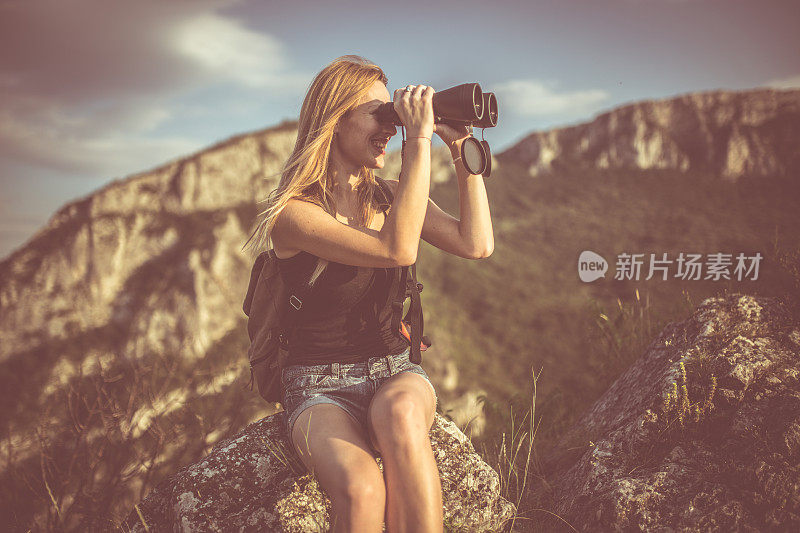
[516, 462]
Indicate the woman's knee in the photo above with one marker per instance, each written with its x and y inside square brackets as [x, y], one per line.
[336, 451]
[398, 416]
[359, 488]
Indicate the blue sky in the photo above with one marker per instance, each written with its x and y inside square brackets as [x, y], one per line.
[96, 90]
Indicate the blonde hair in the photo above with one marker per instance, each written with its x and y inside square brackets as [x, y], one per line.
[335, 91]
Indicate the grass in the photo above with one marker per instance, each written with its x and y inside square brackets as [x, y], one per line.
[677, 405]
[514, 457]
[94, 456]
[621, 336]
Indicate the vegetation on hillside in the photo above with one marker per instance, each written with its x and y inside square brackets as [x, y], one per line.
[528, 314]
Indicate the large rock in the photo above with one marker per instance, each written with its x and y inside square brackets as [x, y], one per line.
[254, 482]
[702, 432]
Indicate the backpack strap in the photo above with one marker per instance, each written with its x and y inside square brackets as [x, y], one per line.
[387, 194]
[414, 317]
[397, 290]
[401, 288]
[289, 319]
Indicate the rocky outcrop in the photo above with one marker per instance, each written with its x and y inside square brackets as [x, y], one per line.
[721, 133]
[100, 260]
[701, 433]
[254, 482]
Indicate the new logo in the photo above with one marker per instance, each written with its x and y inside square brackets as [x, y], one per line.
[591, 266]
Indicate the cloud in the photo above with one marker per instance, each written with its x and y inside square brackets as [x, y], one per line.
[792, 82]
[86, 84]
[228, 50]
[535, 98]
[75, 52]
[111, 140]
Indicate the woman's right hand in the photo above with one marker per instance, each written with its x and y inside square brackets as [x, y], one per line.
[415, 109]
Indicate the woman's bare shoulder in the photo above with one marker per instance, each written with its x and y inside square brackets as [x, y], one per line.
[308, 227]
[300, 206]
[296, 211]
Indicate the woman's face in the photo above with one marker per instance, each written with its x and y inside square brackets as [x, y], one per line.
[361, 139]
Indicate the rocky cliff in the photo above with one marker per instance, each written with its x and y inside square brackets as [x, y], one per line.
[722, 133]
[116, 256]
[192, 214]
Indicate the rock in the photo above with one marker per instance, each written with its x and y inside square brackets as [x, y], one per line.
[732, 466]
[254, 482]
[467, 411]
[720, 133]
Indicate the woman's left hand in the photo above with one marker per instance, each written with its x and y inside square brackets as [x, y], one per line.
[451, 134]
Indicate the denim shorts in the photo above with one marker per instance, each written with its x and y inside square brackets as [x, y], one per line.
[350, 386]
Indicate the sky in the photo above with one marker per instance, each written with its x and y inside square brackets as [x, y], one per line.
[95, 90]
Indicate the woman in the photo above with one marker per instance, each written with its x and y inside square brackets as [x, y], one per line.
[349, 387]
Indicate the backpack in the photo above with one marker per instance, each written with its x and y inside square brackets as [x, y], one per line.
[273, 310]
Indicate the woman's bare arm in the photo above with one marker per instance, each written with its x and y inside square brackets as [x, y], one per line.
[306, 226]
[445, 232]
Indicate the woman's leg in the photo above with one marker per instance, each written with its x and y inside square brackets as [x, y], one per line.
[400, 417]
[333, 446]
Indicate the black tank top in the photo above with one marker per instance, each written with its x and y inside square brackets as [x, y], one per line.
[346, 317]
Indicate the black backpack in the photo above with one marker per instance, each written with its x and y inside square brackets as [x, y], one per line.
[272, 310]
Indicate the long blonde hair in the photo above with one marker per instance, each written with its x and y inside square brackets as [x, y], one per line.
[336, 90]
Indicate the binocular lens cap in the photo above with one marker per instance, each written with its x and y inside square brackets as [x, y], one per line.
[473, 155]
[488, 154]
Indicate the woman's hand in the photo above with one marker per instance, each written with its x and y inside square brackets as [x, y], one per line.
[452, 136]
[415, 109]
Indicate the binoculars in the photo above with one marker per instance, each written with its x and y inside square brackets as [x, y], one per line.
[462, 105]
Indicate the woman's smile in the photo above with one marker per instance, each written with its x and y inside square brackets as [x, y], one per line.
[379, 144]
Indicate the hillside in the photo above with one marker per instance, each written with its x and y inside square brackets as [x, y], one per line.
[124, 341]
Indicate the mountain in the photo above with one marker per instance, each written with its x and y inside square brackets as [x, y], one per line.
[729, 134]
[124, 343]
